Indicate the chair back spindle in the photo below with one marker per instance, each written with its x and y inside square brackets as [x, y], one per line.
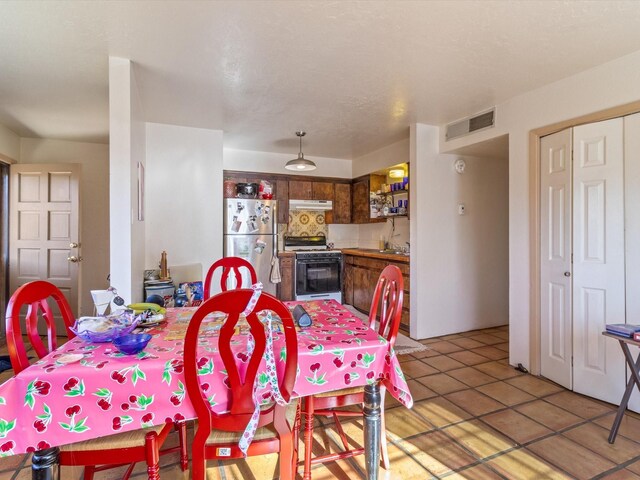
[230, 270]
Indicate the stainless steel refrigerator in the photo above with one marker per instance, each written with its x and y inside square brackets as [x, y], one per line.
[250, 232]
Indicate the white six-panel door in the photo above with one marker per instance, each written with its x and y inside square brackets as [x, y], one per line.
[555, 255]
[44, 224]
[582, 258]
[598, 258]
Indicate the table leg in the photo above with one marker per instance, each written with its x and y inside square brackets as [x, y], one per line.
[634, 380]
[44, 464]
[372, 429]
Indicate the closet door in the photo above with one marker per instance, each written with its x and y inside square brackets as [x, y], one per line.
[555, 257]
[598, 258]
[632, 228]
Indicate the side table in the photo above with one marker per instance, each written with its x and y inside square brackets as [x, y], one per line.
[634, 380]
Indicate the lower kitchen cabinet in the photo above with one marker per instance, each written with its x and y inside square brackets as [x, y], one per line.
[361, 275]
[285, 289]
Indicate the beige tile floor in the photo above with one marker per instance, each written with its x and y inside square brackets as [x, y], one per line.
[475, 417]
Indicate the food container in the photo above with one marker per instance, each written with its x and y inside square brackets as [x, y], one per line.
[247, 190]
[105, 329]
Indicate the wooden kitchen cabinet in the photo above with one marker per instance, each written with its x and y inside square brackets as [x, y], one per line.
[360, 210]
[361, 275]
[285, 290]
[300, 190]
[360, 206]
[282, 195]
[322, 191]
[342, 203]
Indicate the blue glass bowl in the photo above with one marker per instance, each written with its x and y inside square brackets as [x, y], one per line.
[132, 343]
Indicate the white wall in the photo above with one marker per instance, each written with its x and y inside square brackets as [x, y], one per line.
[126, 150]
[183, 195]
[382, 158]
[251, 161]
[605, 86]
[9, 145]
[459, 264]
[94, 205]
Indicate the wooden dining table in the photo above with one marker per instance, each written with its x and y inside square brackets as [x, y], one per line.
[56, 401]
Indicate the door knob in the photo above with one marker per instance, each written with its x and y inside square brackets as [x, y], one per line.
[74, 245]
[74, 259]
[567, 274]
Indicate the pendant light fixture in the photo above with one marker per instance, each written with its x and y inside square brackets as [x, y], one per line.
[300, 164]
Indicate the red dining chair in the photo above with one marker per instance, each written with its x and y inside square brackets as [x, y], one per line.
[386, 309]
[217, 434]
[229, 265]
[35, 294]
[108, 452]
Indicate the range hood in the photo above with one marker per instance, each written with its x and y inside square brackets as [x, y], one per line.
[310, 205]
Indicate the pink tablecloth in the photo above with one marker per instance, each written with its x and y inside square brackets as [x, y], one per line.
[53, 404]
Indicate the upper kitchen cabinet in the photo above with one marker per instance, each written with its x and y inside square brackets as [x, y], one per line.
[323, 191]
[361, 194]
[381, 195]
[342, 203]
[282, 195]
[300, 190]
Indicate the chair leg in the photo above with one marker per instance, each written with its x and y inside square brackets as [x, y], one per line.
[181, 427]
[88, 472]
[296, 440]
[153, 455]
[198, 460]
[127, 474]
[308, 436]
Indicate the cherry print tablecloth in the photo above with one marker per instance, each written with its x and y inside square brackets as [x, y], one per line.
[53, 404]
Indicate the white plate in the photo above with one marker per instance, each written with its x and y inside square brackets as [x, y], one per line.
[69, 358]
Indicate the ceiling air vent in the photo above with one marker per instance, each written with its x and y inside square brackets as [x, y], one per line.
[471, 124]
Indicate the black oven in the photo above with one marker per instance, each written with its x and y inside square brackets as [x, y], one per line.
[318, 275]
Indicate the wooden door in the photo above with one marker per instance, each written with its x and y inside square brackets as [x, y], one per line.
[342, 203]
[555, 258]
[598, 258]
[44, 236]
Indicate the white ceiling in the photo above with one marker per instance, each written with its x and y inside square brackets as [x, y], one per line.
[354, 75]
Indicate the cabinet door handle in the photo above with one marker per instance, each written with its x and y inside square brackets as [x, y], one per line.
[567, 274]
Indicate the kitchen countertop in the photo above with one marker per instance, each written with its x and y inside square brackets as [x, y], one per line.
[373, 253]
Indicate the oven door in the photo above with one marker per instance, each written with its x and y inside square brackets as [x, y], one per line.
[317, 277]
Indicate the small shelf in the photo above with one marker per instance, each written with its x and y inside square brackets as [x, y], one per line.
[392, 216]
[391, 193]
